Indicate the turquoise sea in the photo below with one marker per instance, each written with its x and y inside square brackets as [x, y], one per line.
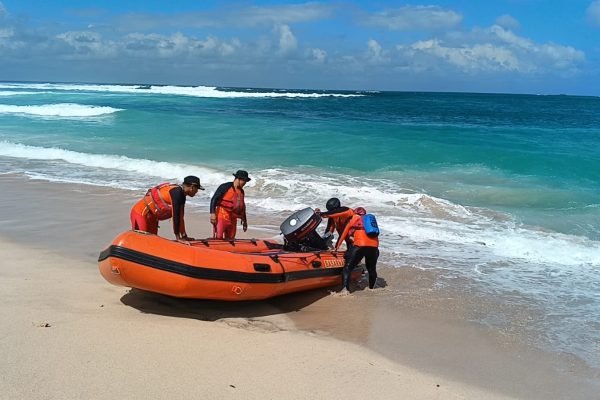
[496, 190]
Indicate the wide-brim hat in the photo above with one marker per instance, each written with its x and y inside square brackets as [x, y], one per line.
[193, 180]
[243, 175]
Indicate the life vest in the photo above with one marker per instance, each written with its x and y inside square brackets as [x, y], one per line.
[233, 202]
[158, 200]
[356, 229]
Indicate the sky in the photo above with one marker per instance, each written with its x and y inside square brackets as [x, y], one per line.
[498, 46]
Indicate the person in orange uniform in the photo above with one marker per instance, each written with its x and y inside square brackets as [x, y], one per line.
[337, 217]
[162, 202]
[363, 246]
[227, 205]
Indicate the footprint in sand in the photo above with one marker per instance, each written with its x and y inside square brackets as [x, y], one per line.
[252, 324]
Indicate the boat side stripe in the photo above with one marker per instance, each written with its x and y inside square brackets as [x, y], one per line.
[211, 273]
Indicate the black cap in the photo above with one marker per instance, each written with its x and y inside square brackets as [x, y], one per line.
[193, 180]
[333, 203]
[241, 174]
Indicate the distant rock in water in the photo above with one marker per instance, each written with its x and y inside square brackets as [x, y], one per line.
[146, 87]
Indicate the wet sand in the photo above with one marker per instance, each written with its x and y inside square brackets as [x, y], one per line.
[67, 333]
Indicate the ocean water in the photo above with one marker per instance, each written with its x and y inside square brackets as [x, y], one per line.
[500, 191]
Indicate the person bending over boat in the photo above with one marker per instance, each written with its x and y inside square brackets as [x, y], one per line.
[162, 202]
[337, 218]
[363, 246]
[227, 205]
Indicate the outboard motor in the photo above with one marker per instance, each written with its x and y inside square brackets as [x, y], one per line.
[300, 232]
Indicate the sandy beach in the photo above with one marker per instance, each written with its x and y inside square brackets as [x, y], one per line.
[65, 333]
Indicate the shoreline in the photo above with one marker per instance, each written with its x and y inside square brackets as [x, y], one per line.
[408, 325]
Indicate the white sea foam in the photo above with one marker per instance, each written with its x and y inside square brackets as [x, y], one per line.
[411, 223]
[489, 241]
[59, 110]
[196, 91]
[17, 93]
[148, 168]
[435, 227]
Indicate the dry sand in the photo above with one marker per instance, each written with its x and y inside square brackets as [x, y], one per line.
[65, 333]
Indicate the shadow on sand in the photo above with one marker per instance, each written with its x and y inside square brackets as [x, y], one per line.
[213, 310]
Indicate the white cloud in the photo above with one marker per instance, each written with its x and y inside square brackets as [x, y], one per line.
[375, 53]
[287, 40]
[91, 45]
[228, 17]
[228, 49]
[80, 39]
[287, 14]
[494, 50]
[415, 18]
[508, 22]
[213, 46]
[593, 13]
[86, 44]
[3, 12]
[480, 57]
[176, 45]
[318, 56]
[542, 56]
[508, 37]
[6, 33]
[8, 40]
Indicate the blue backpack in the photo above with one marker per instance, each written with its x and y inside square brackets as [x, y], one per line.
[370, 224]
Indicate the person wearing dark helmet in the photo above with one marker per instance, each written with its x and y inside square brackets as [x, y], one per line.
[227, 205]
[363, 246]
[337, 218]
[162, 202]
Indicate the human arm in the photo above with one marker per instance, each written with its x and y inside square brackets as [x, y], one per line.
[330, 222]
[243, 216]
[336, 212]
[330, 226]
[346, 232]
[337, 218]
[178, 207]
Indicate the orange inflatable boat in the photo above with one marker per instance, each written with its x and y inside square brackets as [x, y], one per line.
[240, 269]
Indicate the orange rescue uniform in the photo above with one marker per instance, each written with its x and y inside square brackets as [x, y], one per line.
[365, 246]
[228, 204]
[356, 230]
[158, 205]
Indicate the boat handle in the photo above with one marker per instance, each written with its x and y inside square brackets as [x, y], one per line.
[258, 267]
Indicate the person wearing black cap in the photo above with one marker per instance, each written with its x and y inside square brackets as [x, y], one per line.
[337, 218]
[162, 202]
[227, 205]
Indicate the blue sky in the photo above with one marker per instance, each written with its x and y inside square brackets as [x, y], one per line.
[509, 46]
